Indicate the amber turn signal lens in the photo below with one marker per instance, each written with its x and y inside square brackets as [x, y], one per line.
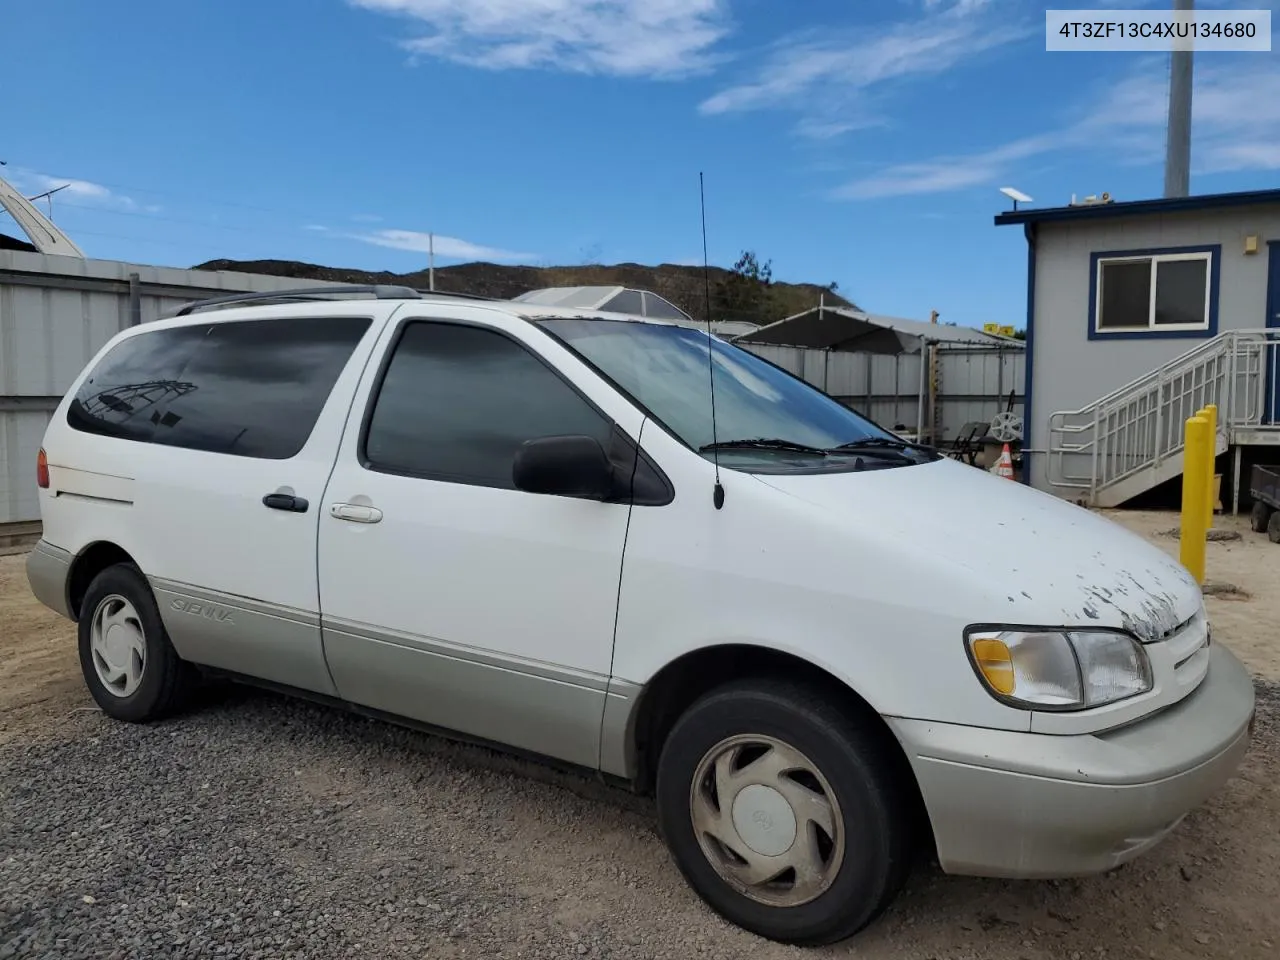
[42, 470]
[996, 663]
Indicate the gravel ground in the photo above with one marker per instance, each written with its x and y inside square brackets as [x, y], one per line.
[262, 827]
[257, 826]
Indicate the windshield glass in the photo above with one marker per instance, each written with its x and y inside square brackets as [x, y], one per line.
[665, 369]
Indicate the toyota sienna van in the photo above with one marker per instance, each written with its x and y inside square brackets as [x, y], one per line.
[821, 648]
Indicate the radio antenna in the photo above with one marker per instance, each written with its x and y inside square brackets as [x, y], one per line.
[717, 496]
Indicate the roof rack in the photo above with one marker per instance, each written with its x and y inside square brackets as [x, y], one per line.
[378, 291]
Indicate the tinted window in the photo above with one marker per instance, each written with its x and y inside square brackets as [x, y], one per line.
[457, 402]
[250, 388]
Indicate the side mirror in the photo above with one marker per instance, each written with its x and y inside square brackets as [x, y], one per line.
[570, 466]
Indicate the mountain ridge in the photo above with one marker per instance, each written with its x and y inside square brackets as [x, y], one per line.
[733, 296]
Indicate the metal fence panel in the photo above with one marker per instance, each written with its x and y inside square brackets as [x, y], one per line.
[973, 383]
[21, 433]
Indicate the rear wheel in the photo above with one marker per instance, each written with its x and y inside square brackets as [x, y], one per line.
[786, 816]
[1273, 527]
[129, 665]
[1259, 516]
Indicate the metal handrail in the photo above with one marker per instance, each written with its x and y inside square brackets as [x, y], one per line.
[1139, 425]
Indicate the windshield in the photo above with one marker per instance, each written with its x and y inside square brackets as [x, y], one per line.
[665, 369]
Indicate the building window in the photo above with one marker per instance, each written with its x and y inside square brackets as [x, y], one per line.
[1154, 293]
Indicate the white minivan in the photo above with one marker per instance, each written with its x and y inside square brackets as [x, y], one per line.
[821, 648]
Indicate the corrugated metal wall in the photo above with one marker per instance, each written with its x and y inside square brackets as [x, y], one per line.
[973, 382]
[21, 432]
[55, 314]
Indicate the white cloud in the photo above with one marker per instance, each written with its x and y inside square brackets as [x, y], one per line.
[820, 128]
[79, 192]
[1235, 127]
[833, 77]
[943, 174]
[627, 38]
[449, 248]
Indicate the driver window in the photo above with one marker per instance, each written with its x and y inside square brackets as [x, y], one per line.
[457, 401]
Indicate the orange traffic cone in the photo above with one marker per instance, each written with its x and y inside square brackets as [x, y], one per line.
[1004, 466]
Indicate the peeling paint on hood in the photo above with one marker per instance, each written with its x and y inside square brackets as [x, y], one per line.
[1031, 557]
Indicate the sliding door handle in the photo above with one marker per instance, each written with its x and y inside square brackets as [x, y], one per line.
[355, 512]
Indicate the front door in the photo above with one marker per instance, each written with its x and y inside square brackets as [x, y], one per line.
[1272, 354]
[448, 596]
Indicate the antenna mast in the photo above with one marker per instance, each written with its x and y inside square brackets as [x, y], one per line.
[47, 197]
[717, 496]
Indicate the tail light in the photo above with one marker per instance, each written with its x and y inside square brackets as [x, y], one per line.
[42, 470]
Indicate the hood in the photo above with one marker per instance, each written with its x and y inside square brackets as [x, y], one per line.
[1043, 560]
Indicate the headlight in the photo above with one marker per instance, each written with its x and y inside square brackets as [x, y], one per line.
[1059, 669]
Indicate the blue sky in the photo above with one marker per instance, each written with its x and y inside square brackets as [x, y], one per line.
[860, 141]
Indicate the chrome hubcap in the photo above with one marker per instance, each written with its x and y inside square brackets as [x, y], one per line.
[767, 820]
[117, 645]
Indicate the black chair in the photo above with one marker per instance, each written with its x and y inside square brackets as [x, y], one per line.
[968, 442]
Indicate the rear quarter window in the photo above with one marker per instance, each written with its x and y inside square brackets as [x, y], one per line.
[249, 388]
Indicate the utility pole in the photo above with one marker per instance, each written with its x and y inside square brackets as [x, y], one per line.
[1177, 161]
[431, 261]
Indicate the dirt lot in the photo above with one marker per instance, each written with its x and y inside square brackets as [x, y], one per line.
[258, 826]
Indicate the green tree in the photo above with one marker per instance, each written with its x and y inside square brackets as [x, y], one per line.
[744, 294]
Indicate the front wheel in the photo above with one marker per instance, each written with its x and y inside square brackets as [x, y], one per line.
[787, 817]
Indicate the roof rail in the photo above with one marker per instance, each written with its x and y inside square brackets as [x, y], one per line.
[376, 290]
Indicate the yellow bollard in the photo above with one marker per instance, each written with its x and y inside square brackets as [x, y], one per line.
[1210, 414]
[1196, 451]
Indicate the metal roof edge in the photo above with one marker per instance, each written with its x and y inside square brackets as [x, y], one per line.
[1091, 211]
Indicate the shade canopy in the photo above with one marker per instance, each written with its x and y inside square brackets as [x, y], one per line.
[843, 328]
[639, 303]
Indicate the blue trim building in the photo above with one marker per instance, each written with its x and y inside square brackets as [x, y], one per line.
[1116, 290]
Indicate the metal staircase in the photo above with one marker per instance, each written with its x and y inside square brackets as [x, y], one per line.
[1130, 440]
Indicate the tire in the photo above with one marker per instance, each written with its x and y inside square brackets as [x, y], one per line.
[1258, 516]
[129, 665]
[861, 869]
[1273, 527]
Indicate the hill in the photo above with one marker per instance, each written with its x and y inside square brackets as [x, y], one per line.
[734, 296]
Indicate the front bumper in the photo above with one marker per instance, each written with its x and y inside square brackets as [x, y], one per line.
[1006, 804]
[48, 570]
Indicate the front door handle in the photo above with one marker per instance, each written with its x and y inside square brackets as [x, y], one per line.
[285, 501]
[355, 512]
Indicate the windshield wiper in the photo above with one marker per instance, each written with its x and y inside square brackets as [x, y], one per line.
[884, 443]
[763, 443]
[891, 443]
[884, 448]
